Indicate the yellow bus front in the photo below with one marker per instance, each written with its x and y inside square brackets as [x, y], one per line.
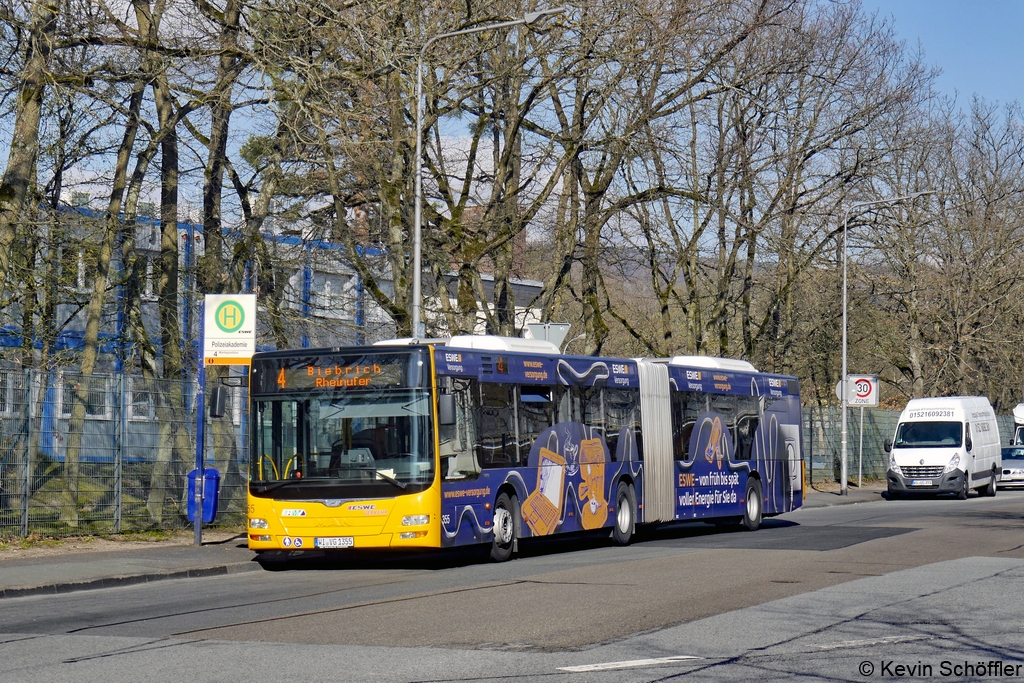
[343, 450]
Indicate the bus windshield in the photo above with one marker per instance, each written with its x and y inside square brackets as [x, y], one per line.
[314, 442]
[928, 434]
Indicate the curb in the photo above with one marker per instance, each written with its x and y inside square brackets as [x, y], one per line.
[832, 499]
[117, 581]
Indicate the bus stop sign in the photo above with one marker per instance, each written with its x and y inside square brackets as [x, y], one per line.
[552, 332]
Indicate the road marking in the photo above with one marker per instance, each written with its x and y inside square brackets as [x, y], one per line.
[880, 641]
[607, 666]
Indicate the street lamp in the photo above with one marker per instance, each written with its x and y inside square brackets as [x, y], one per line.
[843, 490]
[417, 298]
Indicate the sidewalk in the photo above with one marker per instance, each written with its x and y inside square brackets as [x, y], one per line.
[25, 573]
[818, 498]
[65, 569]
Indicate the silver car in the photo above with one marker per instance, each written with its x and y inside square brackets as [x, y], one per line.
[1012, 473]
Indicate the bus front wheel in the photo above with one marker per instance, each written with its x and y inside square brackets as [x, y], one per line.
[752, 505]
[625, 514]
[503, 529]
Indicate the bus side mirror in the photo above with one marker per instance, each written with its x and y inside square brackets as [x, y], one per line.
[446, 409]
[887, 445]
[218, 401]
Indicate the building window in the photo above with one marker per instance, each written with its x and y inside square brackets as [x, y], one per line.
[332, 295]
[140, 400]
[97, 405]
[9, 381]
[147, 280]
[78, 266]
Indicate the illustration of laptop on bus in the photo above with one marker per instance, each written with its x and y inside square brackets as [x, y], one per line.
[542, 508]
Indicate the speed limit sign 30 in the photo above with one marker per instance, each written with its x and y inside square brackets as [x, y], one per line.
[862, 390]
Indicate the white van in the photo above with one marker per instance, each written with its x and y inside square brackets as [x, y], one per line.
[945, 445]
[1018, 425]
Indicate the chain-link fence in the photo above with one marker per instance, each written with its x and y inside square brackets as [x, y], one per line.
[107, 454]
[865, 452]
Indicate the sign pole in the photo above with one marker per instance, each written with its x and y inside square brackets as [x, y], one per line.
[860, 453]
[200, 432]
[227, 338]
[863, 392]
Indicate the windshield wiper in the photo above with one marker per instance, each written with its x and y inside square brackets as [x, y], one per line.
[389, 479]
[383, 475]
[274, 484]
[318, 482]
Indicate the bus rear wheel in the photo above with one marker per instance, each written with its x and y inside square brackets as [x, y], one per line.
[625, 514]
[752, 505]
[503, 529]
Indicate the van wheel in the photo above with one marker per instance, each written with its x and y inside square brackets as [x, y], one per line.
[503, 529]
[752, 509]
[965, 489]
[990, 490]
[625, 514]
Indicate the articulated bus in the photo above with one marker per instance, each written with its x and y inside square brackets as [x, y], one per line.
[488, 440]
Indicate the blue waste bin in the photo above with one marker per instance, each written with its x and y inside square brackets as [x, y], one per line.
[211, 484]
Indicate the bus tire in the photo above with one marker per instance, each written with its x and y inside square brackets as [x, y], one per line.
[625, 514]
[503, 529]
[752, 505]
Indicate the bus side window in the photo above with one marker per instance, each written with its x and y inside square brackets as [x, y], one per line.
[622, 411]
[746, 426]
[497, 445]
[592, 400]
[686, 406]
[727, 406]
[536, 413]
[745, 429]
[458, 455]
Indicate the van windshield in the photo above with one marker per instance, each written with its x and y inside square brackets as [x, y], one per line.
[928, 434]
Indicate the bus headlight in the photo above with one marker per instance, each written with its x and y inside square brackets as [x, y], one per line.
[953, 464]
[406, 535]
[257, 523]
[415, 520]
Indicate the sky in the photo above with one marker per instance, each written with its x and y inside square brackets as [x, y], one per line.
[978, 44]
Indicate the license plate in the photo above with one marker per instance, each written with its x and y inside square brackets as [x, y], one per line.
[335, 542]
[921, 482]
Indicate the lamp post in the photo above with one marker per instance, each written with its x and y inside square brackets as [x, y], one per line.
[417, 244]
[843, 489]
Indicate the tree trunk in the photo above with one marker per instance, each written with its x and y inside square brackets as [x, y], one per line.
[19, 175]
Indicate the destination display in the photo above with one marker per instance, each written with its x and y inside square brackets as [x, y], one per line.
[274, 375]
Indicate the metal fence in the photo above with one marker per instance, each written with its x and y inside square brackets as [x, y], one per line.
[107, 454]
[122, 462]
[866, 456]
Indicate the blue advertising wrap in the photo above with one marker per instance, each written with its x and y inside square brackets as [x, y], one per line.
[566, 486]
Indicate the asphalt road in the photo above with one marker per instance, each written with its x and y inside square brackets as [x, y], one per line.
[820, 593]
